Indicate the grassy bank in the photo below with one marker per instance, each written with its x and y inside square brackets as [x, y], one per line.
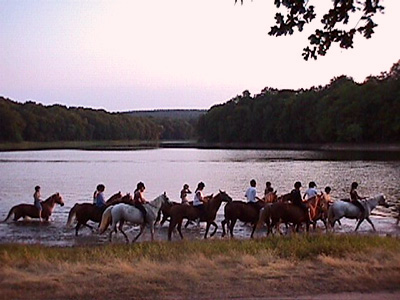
[82, 145]
[276, 266]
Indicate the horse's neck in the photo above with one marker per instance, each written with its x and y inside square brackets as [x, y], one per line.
[155, 205]
[214, 204]
[49, 203]
[372, 202]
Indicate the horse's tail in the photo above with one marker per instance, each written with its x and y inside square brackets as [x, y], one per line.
[71, 215]
[264, 216]
[105, 220]
[9, 214]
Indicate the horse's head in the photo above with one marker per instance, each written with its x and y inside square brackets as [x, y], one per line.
[58, 199]
[126, 199]
[114, 198]
[224, 196]
[165, 198]
[382, 200]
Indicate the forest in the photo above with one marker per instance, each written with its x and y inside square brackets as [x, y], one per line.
[341, 112]
[30, 121]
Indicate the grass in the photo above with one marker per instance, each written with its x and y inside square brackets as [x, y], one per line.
[278, 266]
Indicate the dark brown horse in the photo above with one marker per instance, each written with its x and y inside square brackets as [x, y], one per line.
[275, 213]
[245, 212]
[211, 206]
[30, 210]
[83, 212]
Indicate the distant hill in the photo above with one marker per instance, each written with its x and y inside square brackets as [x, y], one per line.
[183, 114]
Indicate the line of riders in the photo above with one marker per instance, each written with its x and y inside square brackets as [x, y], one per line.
[291, 208]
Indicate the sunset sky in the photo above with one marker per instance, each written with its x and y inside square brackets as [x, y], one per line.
[160, 54]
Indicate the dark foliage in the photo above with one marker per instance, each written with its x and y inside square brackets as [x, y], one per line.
[342, 111]
[299, 13]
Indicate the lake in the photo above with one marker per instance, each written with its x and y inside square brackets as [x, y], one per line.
[75, 174]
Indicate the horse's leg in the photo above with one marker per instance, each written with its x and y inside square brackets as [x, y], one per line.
[254, 228]
[232, 224]
[358, 224]
[370, 222]
[142, 226]
[207, 228]
[152, 231]
[179, 228]
[171, 227]
[121, 224]
[223, 223]
[78, 225]
[215, 229]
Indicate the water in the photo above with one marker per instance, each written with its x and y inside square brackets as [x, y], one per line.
[75, 174]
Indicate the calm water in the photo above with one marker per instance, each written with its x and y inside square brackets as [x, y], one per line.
[75, 174]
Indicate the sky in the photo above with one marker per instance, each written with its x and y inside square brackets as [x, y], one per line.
[122, 55]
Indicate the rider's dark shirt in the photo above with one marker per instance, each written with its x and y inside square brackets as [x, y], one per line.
[296, 197]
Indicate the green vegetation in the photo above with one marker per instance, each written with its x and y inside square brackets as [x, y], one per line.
[341, 112]
[294, 247]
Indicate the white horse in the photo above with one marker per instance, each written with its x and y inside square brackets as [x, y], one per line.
[340, 209]
[124, 212]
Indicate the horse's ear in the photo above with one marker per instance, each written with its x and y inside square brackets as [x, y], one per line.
[275, 192]
[165, 193]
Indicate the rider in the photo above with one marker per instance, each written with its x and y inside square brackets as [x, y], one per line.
[99, 196]
[354, 197]
[296, 199]
[311, 191]
[184, 194]
[268, 188]
[139, 200]
[198, 200]
[37, 201]
[327, 195]
[251, 194]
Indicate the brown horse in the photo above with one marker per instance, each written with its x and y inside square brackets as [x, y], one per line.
[83, 212]
[245, 212]
[273, 214]
[318, 210]
[30, 210]
[211, 206]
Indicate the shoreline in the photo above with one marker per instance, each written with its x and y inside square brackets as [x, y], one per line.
[126, 145]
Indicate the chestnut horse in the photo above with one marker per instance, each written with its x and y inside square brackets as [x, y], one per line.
[30, 210]
[239, 210]
[211, 206]
[83, 212]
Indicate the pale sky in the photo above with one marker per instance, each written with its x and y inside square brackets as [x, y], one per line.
[162, 54]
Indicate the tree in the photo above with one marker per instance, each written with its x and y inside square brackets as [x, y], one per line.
[300, 13]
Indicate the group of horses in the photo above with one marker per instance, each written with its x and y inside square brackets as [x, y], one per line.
[270, 211]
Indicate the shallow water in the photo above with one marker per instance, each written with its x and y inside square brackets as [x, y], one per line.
[75, 174]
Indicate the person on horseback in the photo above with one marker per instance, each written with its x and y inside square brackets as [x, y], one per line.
[198, 200]
[295, 196]
[268, 188]
[311, 191]
[37, 201]
[99, 196]
[354, 197]
[139, 200]
[327, 195]
[251, 194]
[184, 194]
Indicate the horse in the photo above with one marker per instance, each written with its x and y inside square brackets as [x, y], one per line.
[211, 206]
[340, 209]
[30, 210]
[284, 198]
[125, 212]
[318, 210]
[274, 213]
[83, 212]
[239, 210]
[165, 209]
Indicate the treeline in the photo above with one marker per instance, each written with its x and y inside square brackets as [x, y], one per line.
[343, 111]
[176, 124]
[35, 122]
